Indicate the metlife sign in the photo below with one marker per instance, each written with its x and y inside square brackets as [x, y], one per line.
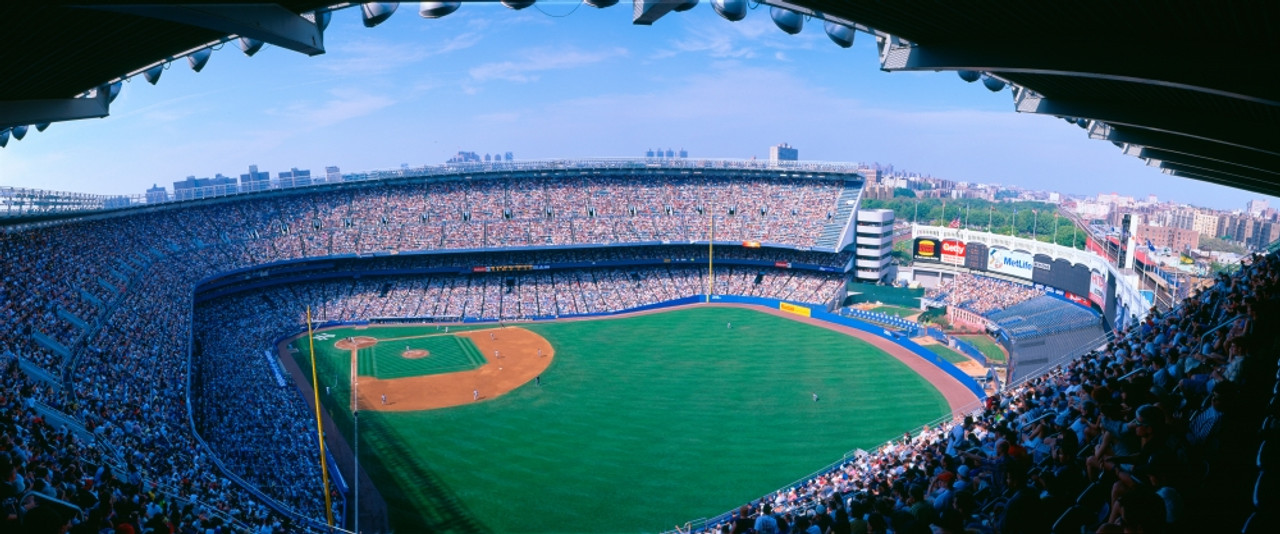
[1010, 262]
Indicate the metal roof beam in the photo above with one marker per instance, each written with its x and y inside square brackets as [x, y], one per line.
[1184, 145]
[1241, 181]
[1245, 82]
[1191, 173]
[269, 23]
[1206, 163]
[646, 12]
[1192, 123]
[25, 112]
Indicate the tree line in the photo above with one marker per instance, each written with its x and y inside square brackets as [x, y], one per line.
[1032, 220]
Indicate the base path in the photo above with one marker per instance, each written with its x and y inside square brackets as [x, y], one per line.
[515, 357]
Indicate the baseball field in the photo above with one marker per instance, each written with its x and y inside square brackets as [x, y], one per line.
[632, 424]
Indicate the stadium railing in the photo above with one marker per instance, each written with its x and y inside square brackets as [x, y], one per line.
[272, 503]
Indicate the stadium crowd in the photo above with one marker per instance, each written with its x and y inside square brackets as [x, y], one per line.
[981, 294]
[233, 386]
[108, 300]
[60, 280]
[1154, 433]
[1165, 412]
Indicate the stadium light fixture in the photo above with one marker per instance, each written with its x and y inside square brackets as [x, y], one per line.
[731, 10]
[114, 91]
[42, 127]
[4, 137]
[969, 75]
[19, 132]
[435, 10]
[199, 58]
[1083, 123]
[993, 84]
[250, 46]
[685, 5]
[376, 13]
[600, 4]
[152, 74]
[517, 4]
[787, 20]
[840, 34]
[323, 16]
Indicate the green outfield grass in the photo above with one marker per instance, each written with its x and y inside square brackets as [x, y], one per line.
[898, 311]
[986, 346]
[640, 424]
[947, 354]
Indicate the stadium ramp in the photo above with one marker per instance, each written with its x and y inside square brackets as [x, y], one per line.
[833, 233]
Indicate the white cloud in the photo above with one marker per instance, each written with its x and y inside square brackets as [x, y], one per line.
[344, 105]
[534, 61]
[365, 57]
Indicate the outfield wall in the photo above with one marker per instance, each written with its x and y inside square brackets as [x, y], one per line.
[799, 308]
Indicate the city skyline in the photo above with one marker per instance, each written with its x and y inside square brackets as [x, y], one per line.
[589, 84]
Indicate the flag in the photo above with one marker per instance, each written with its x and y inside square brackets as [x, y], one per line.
[1150, 247]
[955, 223]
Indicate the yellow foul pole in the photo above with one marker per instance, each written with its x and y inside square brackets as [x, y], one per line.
[711, 249]
[315, 387]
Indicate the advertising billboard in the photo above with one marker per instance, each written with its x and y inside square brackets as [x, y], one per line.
[927, 249]
[1098, 288]
[953, 252]
[975, 256]
[1010, 262]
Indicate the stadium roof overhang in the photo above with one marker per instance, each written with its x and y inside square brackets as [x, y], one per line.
[1187, 86]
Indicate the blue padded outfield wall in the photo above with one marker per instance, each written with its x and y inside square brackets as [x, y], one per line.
[800, 308]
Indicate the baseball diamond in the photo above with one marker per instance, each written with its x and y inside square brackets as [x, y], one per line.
[574, 406]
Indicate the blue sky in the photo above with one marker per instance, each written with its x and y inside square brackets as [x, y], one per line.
[589, 84]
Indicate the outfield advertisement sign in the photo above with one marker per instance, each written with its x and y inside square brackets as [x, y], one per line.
[1010, 262]
[953, 252]
[792, 308]
[508, 268]
[926, 249]
[1098, 288]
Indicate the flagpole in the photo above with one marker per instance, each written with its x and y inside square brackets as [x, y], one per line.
[315, 387]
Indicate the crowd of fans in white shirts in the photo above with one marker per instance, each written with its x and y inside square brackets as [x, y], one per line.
[1163, 397]
[1157, 433]
[981, 294]
[128, 280]
[271, 446]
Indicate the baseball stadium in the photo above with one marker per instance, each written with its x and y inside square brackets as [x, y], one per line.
[609, 345]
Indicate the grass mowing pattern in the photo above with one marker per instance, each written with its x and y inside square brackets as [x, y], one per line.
[947, 354]
[986, 346]
[449, 354]
[642, 423]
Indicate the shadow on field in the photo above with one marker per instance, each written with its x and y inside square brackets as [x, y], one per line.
[436, 509]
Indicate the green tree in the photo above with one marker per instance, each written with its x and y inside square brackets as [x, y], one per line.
[902, 192]
[1210, 243]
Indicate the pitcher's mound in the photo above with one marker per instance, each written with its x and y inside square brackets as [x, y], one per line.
[414, 354]
[358, 342]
